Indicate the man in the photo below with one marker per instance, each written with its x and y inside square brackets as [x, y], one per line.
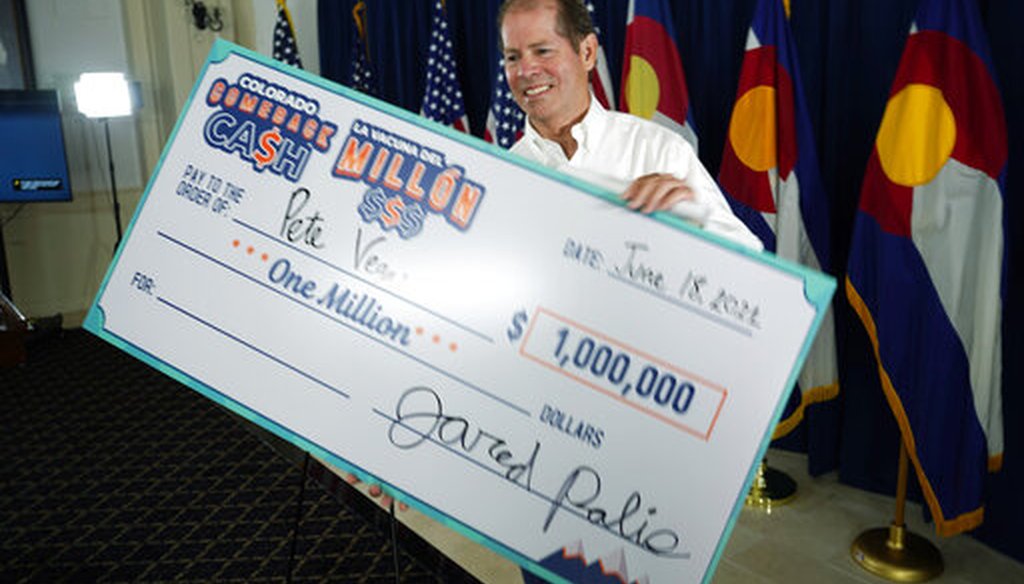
[549, 48]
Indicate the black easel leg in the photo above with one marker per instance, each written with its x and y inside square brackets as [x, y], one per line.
[394, 542]
[298, 515]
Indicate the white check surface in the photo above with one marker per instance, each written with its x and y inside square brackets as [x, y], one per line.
[562, 376]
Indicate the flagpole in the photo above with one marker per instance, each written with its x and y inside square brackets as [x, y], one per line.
[771, 488]
[893, 552]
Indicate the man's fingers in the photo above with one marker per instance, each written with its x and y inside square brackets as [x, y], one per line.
[631, 196]
[656, 192]
[640, 191]
[668, 198]
[386, 500]
[374, 491]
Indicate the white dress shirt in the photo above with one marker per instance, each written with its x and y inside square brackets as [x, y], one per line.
[616, 148]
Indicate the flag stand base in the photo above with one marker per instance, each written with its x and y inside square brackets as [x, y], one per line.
[896, 554]
[893, 552]
[772, 488]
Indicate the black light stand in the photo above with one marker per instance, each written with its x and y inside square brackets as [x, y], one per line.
[113, 184]
[5, 282]
[101, 96]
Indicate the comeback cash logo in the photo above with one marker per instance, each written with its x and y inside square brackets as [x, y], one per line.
[267, 125]
[407, 181]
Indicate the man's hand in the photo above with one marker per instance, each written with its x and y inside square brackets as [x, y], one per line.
[376, 492]
[656, 192]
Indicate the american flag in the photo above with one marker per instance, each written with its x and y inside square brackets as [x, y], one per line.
[442, 99]
[285, 48]
[600, 78]
[504, 120]
[363, 79]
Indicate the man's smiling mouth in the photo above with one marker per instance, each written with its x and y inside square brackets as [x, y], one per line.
[534, 91]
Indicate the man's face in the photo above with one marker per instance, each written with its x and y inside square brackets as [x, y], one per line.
[548, 78]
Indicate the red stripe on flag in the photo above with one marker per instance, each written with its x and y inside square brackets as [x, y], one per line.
[889, 203]
[744, 183]
[648, 39]
[937, 59]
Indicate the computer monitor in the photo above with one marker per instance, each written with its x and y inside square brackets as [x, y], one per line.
[33, 162]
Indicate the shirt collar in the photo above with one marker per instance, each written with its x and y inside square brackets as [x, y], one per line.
[587, 133]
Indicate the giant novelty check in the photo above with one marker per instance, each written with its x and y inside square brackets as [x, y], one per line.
[584, 388]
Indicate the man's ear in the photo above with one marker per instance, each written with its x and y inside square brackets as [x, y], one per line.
[588, 51]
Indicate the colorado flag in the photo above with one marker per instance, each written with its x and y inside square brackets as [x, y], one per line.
[926, 267]
[771, 179]
[653, 83]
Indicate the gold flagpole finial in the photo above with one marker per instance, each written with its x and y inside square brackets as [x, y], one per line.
[283, 6]
[359, 15]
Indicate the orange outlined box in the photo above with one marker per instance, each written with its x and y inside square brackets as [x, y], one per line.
[704, 433]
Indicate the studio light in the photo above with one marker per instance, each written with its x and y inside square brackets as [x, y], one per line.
[104, 96]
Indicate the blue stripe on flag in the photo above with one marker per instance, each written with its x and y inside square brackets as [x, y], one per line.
[927, 369]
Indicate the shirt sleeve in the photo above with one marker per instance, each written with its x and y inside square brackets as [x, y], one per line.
[709, 208]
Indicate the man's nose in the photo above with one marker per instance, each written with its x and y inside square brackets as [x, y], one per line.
[524, 67]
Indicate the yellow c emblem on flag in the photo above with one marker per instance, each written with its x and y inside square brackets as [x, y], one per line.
[642, 89]
[917, 135]
[752, 130]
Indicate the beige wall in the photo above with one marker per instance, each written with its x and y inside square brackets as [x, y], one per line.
[58, 253]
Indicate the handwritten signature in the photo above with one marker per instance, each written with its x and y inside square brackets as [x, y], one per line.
[297, 226]
[420, 416]
[581, 490]
[371, 263]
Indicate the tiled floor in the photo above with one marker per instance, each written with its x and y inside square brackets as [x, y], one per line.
[807, 540]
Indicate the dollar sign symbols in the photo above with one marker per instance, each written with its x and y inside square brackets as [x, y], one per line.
[515, 330]
[269, 141]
